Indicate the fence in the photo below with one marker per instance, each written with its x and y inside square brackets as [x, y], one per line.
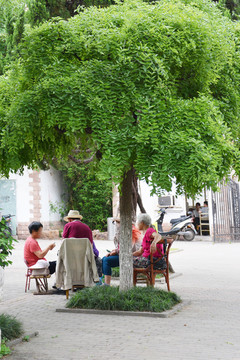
[226, 212]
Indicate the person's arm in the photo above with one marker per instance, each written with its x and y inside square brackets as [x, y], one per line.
[65, 231]
[95, 250]
[42, 253]
[113, 252]
[156, 237]
[138, 252]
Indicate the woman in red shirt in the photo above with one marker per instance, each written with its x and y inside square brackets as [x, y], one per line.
[141, 257]
[34, 256]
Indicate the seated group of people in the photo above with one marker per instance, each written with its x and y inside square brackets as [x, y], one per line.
[200, 211]
[34, 256]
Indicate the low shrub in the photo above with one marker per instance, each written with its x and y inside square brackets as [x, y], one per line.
[6, 244]
[10, 326]
[135, 299]
[4, 349]
[115, 272]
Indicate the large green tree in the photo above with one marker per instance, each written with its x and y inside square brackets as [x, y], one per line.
[146, 89]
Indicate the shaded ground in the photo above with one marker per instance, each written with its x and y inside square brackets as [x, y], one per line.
[207, 329]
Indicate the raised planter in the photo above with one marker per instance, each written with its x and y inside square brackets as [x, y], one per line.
[164, 314]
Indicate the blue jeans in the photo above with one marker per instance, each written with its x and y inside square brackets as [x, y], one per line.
[108, 262]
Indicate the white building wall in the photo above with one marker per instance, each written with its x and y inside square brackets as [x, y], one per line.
[180, 207]
[51, 192]
[22, 196]
[35, 190]
[152, 207]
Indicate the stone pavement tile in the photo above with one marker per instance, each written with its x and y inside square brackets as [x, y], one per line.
[206, 329]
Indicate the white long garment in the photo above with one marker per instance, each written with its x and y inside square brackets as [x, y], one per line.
[40, 264]
[76, 264]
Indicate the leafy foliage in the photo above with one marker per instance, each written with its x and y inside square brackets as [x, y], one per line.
[6, 244]
[12, 21]
[144, 85]
[115, 272]
[135, 299]
[4, 349]
[233, 6]
[10, 326]
[42, 10]
[89, 195]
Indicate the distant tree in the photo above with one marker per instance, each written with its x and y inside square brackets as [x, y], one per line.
[233, 6]
[89, 195]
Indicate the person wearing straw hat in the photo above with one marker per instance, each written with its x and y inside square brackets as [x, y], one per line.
[75, 228]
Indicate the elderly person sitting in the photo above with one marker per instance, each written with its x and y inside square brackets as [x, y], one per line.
[149, 243]
[111, 260]
[34, 256]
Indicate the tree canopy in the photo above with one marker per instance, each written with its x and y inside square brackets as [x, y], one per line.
[150, 89]
[141, 85]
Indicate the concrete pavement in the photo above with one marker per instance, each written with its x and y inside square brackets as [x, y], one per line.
[207, 329]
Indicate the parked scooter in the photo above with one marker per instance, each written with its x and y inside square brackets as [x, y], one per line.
[8, 223]
[182, 226]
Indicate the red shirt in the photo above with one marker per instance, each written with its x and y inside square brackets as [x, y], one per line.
[77, 229]
[146, 243]
[30, 247]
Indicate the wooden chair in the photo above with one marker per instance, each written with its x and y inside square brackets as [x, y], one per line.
[149, 272]
[41, 283]
[28, 279]
[74, 287]
[204, 226]
[71, 262]
[40, 279]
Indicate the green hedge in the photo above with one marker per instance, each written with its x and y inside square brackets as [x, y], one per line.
[136, 299]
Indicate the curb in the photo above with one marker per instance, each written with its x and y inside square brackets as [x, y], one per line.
[21, 339]
[164, 314]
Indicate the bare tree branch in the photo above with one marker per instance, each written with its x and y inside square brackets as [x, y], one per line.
[80, 161]
[140, 204]
[77, 151]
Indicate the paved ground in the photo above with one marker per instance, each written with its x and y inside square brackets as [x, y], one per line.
[206, 329]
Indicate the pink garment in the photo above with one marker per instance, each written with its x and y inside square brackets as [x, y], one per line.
[30, 247]
[146, 243]
[77, 229]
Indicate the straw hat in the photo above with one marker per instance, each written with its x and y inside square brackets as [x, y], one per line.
[73, 214]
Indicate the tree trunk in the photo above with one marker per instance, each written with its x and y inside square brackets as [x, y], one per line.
[125, 255]
[136, 198]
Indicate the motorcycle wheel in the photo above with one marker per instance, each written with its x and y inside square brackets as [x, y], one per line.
[190, 235]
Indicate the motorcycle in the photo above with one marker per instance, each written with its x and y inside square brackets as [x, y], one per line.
[181, 226]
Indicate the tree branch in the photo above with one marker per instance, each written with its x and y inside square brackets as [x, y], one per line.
[140, 204]
[80, 161]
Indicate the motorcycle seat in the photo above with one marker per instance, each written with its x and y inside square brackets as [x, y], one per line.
[182, 218]
[171, 232]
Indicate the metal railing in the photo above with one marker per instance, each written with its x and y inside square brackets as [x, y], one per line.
[226, 212]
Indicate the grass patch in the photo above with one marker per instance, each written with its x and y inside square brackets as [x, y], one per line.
[136, 299]
[10, 326]
[116, 274]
